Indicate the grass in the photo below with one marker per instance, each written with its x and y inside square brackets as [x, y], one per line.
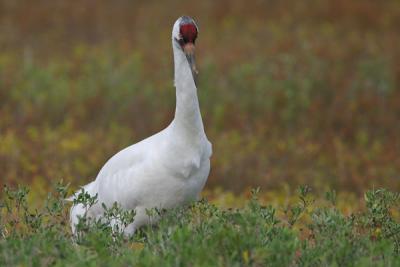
[310, 86]
[304, 232]
[291, 93]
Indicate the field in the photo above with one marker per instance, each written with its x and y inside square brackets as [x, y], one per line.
[297, 234]
[292, 93]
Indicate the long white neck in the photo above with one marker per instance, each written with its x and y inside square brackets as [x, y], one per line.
[187, 119]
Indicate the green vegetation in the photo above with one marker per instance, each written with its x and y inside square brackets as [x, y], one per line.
[301, 233]
[291, 93]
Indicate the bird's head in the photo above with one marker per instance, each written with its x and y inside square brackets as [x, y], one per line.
[184, 34]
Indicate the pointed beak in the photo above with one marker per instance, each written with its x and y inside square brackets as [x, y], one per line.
[189, 50]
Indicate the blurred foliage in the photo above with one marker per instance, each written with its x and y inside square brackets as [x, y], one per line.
[291, 92]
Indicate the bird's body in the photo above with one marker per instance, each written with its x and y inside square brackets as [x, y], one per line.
[165, 170]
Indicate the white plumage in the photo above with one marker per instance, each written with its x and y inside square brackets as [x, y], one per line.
[167, 169]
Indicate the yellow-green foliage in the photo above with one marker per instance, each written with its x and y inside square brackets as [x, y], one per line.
[291, 92]
[301, 232]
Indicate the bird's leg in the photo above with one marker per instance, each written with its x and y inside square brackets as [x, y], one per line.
[129, 230]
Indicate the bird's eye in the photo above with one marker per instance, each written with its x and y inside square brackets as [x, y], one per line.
[181, 41]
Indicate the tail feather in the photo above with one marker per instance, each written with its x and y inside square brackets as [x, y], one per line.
[90, 188]
[78, 210]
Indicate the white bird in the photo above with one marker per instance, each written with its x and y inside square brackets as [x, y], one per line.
[167, 169]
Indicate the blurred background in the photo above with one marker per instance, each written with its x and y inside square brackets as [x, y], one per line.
[291, 92]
